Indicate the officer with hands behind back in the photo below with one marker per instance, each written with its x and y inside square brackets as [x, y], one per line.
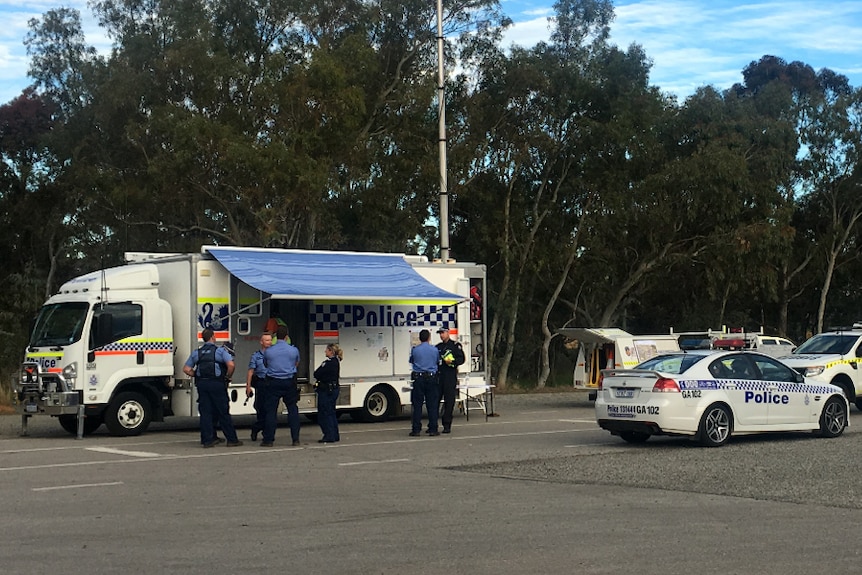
[281, 362]
[254, 383]
[425, 360]
[451, 356]
[212, 366]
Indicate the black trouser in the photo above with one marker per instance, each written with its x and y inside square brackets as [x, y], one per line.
[426, 390]
[285, 390]
[260, 413]
[448, 384]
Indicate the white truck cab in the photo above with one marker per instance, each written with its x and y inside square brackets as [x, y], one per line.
[833, 357]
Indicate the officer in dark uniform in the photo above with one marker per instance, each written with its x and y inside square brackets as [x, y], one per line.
[255, 382]
[281, 362]
[425, 361]
[212, 366]
[451, 356]
[326, 384]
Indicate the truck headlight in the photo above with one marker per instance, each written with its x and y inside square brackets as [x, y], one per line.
[30, 374]
[70, 373]
[814, 371]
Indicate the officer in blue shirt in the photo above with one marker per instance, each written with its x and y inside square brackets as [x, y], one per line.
[425, 360]
[255, 383]
[211, 366]
[281, 362]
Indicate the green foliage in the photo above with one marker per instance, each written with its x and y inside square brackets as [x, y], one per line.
[593, 198]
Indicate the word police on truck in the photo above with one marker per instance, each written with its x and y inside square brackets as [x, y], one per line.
[109, 346]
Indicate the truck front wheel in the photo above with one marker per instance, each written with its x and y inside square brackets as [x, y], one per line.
[129, 413]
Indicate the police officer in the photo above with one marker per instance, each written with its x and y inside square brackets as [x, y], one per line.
[326, 378]
[451, 356]
[255, 383]
[425, 360]
[282, 360]
[211, 366]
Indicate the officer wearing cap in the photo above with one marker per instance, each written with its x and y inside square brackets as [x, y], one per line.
[451, 356]
[425, 361]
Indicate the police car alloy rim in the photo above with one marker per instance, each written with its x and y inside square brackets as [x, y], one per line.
[834, 418]
[715, 426]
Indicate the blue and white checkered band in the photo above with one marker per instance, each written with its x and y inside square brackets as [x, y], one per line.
[748, 385]
[331, 317]
[166, 345]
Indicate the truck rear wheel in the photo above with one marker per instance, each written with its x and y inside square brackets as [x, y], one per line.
[129, 413]
[378, 405]
[70, 423]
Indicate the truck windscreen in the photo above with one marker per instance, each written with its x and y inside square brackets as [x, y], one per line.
[59, 324]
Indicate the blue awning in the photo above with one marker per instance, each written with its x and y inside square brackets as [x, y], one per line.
[319, 275]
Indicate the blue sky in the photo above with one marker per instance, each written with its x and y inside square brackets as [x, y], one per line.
[692, 43]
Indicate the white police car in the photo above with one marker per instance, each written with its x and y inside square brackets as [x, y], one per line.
[711, 396]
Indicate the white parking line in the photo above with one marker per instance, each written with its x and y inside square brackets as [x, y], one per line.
[124, 452]
[76, 486]
[372, 462]
[259, 451]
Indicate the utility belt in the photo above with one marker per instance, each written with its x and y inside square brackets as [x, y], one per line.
[326, 386]
[269, 380]
[422, 375]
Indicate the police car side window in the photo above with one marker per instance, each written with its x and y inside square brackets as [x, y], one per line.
[774, 371]
[719, 370]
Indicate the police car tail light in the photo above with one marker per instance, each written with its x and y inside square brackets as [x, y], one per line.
[665, 384]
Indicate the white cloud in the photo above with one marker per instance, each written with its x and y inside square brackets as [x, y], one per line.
[694, 43]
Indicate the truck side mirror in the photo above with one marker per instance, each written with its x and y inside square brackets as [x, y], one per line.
[103, 330]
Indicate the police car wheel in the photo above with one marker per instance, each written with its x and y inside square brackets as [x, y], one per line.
[715, 426]
[634, 436]
[833, 418]
[70, 423]
[128, 414]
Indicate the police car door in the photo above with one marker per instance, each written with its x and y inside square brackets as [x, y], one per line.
[737, 377]
[789, 400]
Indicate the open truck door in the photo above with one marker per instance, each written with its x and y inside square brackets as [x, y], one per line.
[612, 348]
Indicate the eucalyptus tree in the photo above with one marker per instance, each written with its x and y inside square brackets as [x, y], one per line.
[281, 122]
[545, 124]
[833, 182]
[823, 111]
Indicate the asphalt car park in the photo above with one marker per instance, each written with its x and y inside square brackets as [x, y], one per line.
[540, 487]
